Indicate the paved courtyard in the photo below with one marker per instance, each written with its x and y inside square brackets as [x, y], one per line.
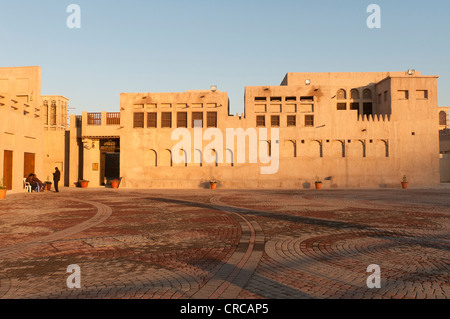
[233, 244]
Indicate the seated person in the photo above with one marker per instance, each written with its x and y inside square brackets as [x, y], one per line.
[31, 181]
[37, 184]
[40, 184]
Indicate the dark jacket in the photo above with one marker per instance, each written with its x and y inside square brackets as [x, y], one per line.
[57, 176]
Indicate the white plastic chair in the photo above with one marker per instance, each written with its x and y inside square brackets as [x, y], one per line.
[26, 186]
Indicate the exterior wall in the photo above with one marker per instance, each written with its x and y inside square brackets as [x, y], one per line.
[364, 133]
[54, 112]
[142, 148]
[20, 120]
[75, 151]
[417, 129]
[55, 124]
[443, 117]
[54, 153]
[444, 145]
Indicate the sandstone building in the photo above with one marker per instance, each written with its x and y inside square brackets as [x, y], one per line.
[346, 129]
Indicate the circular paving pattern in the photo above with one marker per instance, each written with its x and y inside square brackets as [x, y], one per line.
[226, 244]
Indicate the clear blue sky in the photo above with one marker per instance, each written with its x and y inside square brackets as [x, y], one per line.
[173, 46]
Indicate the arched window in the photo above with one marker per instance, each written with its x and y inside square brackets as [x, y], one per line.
[341, 94]
[336, 149]
[151, 158]
[53, 113]
[315, 149]
[354, 94]
[230, 157]
[291, 149]
[61, 114]
[166, 158]
[367, 94]
[442, 118]
[198, 157]
[45, 112]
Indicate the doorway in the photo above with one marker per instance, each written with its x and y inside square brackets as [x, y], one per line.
[112, 166]
[109, 160]
[29, 164]
[8, 169]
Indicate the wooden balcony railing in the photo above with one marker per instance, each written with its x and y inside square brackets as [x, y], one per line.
[113, 118]
[94, 119]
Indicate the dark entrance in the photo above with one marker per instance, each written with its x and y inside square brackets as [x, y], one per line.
[29, 163]
[367, 108]
[109, 160]
[112, 166]
[8, 169]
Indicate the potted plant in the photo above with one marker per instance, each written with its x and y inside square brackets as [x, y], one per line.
[2, 189]
[115, 183]
[404, 182]
[84, 183]
[318, 183]
[48, 184]
[213, 183]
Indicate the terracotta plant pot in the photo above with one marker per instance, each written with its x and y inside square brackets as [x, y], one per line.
[404, 185]
[213, 185]
[2, 193]
[84, 184]
[48, 186]
[115, 184]
[318, 185]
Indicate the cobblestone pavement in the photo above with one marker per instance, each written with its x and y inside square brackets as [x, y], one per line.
[233, 244]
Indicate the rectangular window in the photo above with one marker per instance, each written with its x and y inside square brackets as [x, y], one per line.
[275, 108]
[422, 94]
[211, 119]
[291, 120]
[309, 120]
[182, 119]
[260, 120]
[367, 108]
[276, 98]
[403, 94]
[342, 106]
[152, 119]
[260, 108]
[138, 121]
[354, 106]
[166, 119]
[275, 120]
[260, 98]
[291, 98]
[197, 116]
[306, 99]
[385, 96]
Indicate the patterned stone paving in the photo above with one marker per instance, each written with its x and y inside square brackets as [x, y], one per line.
[226, 244]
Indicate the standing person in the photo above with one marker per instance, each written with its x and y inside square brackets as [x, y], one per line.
[56, 178]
